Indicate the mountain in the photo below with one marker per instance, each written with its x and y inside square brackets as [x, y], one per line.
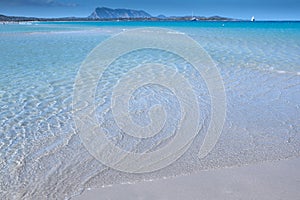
[108, 13]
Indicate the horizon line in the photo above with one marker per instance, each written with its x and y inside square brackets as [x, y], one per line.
[170, 16]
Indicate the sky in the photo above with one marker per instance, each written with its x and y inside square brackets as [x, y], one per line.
[240, 9]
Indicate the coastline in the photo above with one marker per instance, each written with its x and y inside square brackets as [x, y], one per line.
[5, 22]
[4, 18]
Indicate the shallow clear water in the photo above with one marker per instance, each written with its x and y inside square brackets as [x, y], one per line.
[41, 154]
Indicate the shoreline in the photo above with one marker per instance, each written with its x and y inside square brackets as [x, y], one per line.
[267, 180]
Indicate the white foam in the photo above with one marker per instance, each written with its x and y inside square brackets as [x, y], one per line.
[175, 32]
[281, 72]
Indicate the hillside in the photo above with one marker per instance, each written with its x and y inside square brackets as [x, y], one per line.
[108, 13]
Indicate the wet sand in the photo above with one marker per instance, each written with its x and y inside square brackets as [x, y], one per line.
[269, 180]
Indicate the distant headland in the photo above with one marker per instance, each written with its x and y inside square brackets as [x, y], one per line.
[109, 14]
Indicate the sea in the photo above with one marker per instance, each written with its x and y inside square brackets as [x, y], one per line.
[42, 154]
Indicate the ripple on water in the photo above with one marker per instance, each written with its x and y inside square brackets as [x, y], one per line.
[41, 154]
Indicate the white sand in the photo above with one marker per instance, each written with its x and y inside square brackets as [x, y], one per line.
[271, 180]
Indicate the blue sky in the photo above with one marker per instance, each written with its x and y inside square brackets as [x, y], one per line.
[243, 9]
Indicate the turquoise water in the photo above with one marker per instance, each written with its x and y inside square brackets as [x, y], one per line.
[41, 154]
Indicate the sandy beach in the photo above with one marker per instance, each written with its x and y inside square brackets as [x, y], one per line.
[263, 181]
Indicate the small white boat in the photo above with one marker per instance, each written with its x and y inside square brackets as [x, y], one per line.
[193, 18]
[252, 19]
